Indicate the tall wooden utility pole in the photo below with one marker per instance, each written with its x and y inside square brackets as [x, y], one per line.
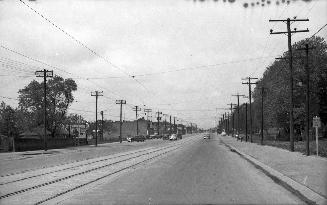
[136, 109]
[289, 33]
[101, 125]
[147, 111]
[170, 125]
[307, 99]
[262, 93]
[232, 117]
[249, 83]
[158, 121]
[238, 112]
[45, 74]
[96, 94]
[120, 102]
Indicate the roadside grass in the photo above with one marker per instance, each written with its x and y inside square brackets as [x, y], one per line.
[299, 146]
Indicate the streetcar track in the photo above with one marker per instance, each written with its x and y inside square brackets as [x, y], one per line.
[45, 167]
[91, 170]
[97, 179]
[72, 167]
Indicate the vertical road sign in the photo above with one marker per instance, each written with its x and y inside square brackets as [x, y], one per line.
[316, 123]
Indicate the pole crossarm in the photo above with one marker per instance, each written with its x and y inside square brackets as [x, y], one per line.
[285, 32]
[285, 20]
[47, 73]
[120, 101]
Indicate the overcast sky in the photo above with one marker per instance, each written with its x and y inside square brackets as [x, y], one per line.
[188, 57]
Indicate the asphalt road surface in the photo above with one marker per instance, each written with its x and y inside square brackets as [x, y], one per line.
[203, 172]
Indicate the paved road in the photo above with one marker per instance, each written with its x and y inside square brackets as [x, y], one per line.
[204, 172]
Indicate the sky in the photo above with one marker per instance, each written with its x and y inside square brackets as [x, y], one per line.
[184, 58]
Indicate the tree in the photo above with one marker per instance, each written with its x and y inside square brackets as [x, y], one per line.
[8, 122]
[276, 80]
[59, 97]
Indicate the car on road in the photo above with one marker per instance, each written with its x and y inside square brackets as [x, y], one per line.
[173, 137]
[165, 137]
[137, 138]
[206, 136]
[223, 133]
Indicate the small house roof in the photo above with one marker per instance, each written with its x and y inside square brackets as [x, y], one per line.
[34, 133]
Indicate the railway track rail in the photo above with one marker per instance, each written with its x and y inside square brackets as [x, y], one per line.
[45, 185]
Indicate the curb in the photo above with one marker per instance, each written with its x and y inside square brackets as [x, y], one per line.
[304, 193]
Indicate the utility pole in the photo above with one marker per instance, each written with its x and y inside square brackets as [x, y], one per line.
[96, 94]
[249, 83]
[227, 121]
[289, 34]
[223, 122]
[170, 125]
[262, 93]
[136, 109]
[147, 111]
[174, 125]
[246, 122]
[238, 112]
[121, 102]
[232, 117]
[101, 125]
[165, 131]
[158, 121]
[307, 99]
[45, 74]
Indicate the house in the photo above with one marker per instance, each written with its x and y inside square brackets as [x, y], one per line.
[35, 133]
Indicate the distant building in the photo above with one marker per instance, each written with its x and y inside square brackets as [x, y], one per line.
[129, 128]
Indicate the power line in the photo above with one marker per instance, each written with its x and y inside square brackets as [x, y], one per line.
[204, 67]
[5, 97]
[319, 30]
[82, 44]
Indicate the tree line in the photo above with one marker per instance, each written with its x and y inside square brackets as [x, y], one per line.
[29, 113]
[276, 95]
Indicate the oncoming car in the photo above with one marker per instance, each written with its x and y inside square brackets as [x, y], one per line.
[206, 136]
[173, 137]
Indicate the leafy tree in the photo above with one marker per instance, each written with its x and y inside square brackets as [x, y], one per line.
[276, 81]
[8, 120]
[59, 97]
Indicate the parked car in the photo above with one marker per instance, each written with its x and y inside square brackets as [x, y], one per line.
[179, 136]
[137, 138]
[223, 133]
[173, 137]
[156, 136]
[165, 137]
[129, 139]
